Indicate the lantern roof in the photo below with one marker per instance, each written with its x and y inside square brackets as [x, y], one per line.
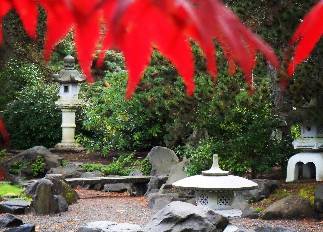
[215, 179]
[69, 74]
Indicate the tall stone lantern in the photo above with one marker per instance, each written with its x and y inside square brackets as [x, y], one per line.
[69, 79]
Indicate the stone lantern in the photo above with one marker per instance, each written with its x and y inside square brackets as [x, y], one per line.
[309, 162]
[216, 189]
[69, 79]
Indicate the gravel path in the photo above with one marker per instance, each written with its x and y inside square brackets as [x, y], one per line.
[99, 206]
[105, 207]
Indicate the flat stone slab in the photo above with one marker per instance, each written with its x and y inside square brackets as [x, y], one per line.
[14, 206]
[74, 182]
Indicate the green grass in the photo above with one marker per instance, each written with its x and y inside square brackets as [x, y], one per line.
[11, 191]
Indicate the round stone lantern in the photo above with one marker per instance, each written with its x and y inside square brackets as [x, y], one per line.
[69, 79]
[216, 189]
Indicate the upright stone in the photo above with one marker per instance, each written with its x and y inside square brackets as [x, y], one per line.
[162, 160]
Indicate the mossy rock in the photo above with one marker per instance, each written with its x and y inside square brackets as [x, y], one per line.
[307, 193]
[69, 193]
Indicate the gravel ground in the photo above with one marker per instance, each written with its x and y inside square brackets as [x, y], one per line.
[99, 206]
[94, 207]
[305, 225]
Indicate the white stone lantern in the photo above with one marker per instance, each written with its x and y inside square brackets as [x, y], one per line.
[309, 163]
[216, 189]
[69, 79]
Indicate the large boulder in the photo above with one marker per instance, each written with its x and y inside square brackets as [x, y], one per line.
[22, 163]
[8, 220]
[265, 188]
[291, 207]
[177, 172]
[107, 226]
[162, 160]
[44, 202]
[180, 216]
[155, 183]
[70, 170]
[318, 200]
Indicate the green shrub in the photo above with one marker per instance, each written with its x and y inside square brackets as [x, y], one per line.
[38, 167]
[122, 166]
[32, 118]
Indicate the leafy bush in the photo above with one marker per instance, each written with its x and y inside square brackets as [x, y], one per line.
[32, 118]
[122, 166]
[38, 167]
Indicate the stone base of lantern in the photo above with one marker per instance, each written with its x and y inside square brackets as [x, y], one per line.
[68, 147]
[308, 160]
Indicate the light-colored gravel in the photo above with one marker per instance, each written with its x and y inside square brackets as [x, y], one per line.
[112, 207]
[303, 225]
[99, 206]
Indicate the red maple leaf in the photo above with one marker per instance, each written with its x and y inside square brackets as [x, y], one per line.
[3, 132]
[137, 26]
[306, 36]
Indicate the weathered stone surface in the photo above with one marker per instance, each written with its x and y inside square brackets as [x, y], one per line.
[107, 226]
[250, 213]
[162, 160]
[22, 228]
[157, 201]
[91, 174]
[155, 184]
[265, 188]
[318, 200]
[29, 156]
[71, 170]
[14, 206]
[119, 187]
[181, 216]
[61, 202]
[8, 220]
[291, 207]
[43, 202]
[177, 172]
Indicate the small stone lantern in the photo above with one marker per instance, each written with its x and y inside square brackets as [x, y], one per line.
[69, 79]
[311, 157]
[216, 189]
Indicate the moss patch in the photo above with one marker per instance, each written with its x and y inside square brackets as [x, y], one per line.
[8, 190]
[303, 189]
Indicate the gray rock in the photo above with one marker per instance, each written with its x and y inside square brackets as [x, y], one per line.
[61, 202]
[272, 229]
[155, 184]
[119, 187]
[61, 187]
[44, 202]
[138, 189]
[250, 213]
[71, 170]
[28, 157]
[22, 228]
[162, 160]
[291, 207]
[177, 172]
[265, 188]
[318, 200]
[157, 201]
[107, 226]
[14, 207]
[8, 220]
[91, 174]
[180, 216]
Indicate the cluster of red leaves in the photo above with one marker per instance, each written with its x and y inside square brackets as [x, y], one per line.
[137, 26]
[306, 36]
